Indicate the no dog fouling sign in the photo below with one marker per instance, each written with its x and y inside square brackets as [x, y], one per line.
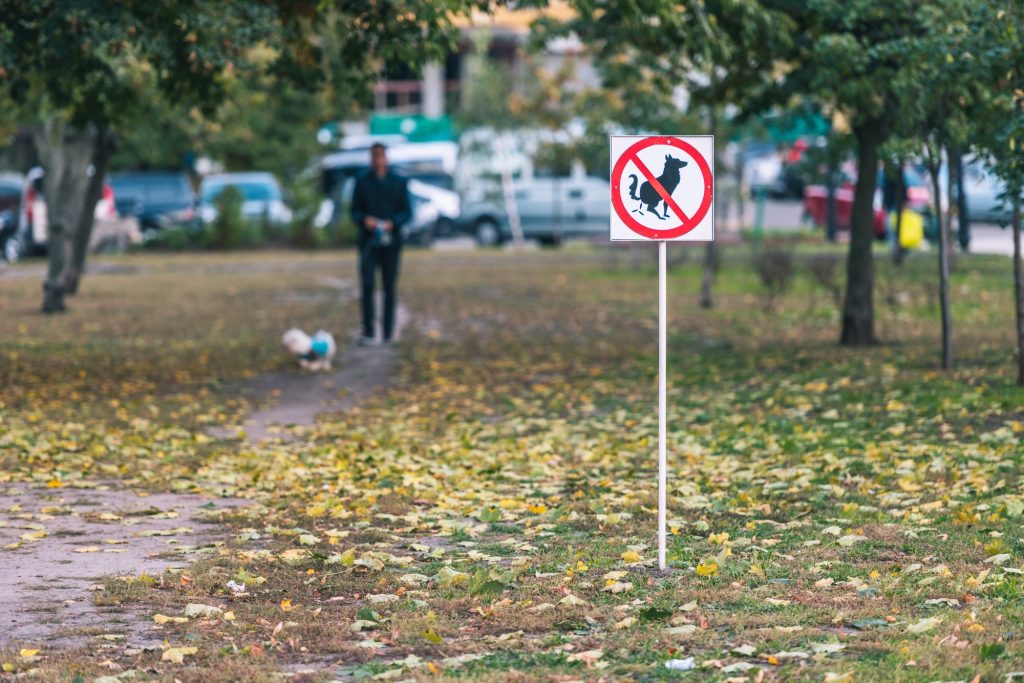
[662, 188]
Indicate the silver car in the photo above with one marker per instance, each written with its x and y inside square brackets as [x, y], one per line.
[554, 208]
[261, 197]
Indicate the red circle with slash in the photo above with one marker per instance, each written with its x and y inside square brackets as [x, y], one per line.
[688, 222]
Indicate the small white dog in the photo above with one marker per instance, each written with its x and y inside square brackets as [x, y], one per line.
[315, 353]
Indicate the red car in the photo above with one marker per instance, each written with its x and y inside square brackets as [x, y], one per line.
[816, 202]
[27, 231]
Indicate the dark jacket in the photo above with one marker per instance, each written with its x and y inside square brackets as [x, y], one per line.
[386, 198]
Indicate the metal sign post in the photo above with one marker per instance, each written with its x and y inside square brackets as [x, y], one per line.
[677, 204]
[662, 397]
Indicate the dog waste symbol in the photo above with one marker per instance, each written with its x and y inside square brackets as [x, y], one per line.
[662, 188]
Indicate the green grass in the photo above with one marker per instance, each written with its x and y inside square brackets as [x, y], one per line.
[538, 399]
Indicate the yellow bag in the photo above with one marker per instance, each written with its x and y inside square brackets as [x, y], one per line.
[911, 228]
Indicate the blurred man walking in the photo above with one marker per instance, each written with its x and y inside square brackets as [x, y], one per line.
[380, 206]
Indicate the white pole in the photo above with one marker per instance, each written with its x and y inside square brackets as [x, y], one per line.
[662, 337]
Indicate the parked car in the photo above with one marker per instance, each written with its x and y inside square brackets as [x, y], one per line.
[983, 189]
[556, 207]
[433, 163]
[30, 231]
[158, 199]
[429, 206]
[446, 203]
[420, 229]
[816, 201]
[10, 201]
[484, 220]
[764, 173]
[262, 198]
[428, 168]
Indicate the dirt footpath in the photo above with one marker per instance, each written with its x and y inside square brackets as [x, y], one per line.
[57, 542]
[297, 397]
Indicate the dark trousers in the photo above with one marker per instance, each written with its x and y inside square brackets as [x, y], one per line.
[387, 259]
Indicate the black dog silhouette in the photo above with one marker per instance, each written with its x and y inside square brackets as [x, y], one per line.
[669, 179]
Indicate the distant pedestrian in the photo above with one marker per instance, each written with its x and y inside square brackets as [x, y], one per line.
[380, 206]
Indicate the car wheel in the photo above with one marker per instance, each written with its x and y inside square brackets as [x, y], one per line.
[14, 248]
[550, 241]
[444, 227]
[425, 238]
[488, 233]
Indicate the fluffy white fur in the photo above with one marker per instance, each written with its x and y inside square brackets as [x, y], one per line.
[302, 345]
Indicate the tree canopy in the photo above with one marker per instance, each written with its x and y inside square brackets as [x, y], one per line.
[75, 69]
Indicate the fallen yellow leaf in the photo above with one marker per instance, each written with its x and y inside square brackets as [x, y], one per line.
[163, 619]
[177, 654]
[707, 569]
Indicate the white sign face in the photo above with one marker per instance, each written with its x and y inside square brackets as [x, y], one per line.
[663, 188]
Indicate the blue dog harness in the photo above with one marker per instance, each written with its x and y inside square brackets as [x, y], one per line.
[318, 349]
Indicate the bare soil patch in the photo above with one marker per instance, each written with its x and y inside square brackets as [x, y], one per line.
[296, 398]
[59, 542]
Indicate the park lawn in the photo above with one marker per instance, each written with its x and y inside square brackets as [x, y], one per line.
[835, 514]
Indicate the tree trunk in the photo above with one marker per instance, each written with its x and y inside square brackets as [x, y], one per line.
[858, 307]
[963, 218]
[1018, 287]
[831, 218]
[65, 153]
[708, 274]
[901, 205]
[710, 265]
[934, 160]
[74, 268]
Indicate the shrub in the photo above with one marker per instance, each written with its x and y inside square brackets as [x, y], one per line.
[177, 238]
[305, 204]
[775, 269]
[228, 230]
[824, 269]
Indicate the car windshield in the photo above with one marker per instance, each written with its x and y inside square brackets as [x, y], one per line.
[150, 190]
[127, 190]
[252, 190]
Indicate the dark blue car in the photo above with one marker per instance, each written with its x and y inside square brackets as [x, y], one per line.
[159, 199]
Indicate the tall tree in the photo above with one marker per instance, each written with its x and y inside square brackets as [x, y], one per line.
[850, 56]
[847, 55]
[74, 68]
[998, 128]
[649, 51]
[944, 86]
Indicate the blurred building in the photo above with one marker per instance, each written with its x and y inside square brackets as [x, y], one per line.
[500, 36]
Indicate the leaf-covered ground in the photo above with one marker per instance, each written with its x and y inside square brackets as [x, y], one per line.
[835, 514]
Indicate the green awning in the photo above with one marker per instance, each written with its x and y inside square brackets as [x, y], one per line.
[416, 128]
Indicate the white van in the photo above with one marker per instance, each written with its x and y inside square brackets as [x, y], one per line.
[552, 208]
[433, 163]
[429, 166]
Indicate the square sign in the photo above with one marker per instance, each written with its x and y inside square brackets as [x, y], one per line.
[663, 188]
